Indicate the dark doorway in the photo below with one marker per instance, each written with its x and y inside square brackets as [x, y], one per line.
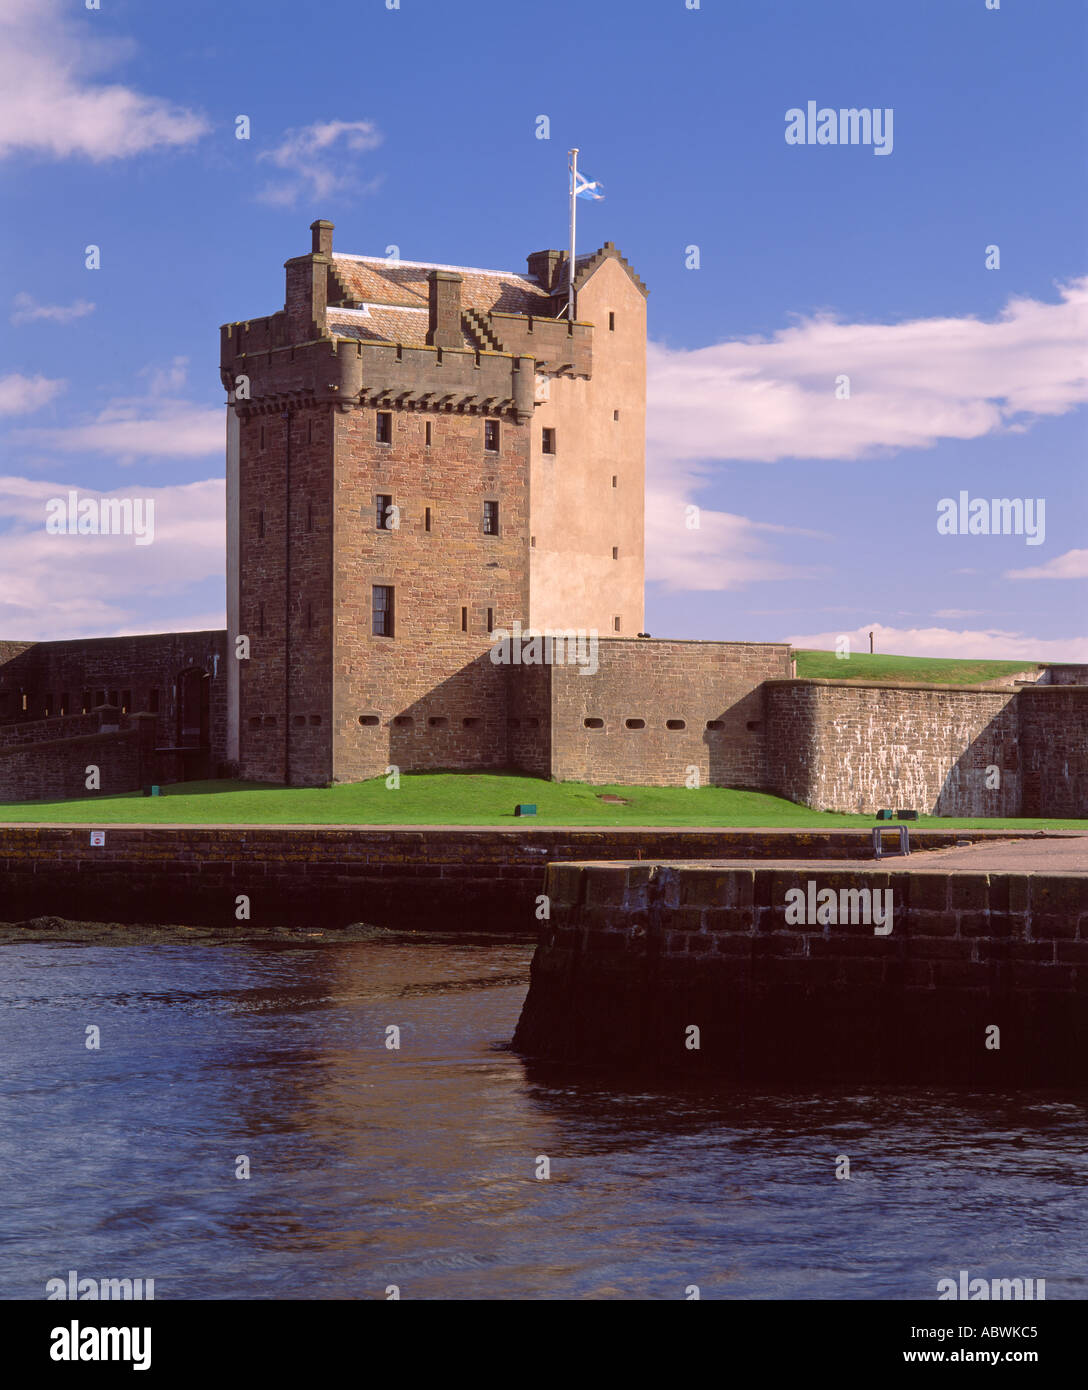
[193, 713]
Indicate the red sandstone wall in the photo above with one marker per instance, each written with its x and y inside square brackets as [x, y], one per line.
[429, 670]
[112, 666]
[858, 748]
[285, 602]
[1054, 750]
[697, 682]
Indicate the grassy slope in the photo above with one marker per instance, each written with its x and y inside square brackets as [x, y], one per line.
[933, 670]
[458, 799]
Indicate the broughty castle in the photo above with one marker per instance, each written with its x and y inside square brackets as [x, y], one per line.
[435, 491]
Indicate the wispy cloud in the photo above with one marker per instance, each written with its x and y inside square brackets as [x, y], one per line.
[992, 643]
[315, 157]
[157, 424]
[1072, 565]
[27, 310]
[50, 103]
[54, 586]
[21, 394]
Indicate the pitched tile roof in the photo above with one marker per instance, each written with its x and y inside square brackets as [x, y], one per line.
[375, 280]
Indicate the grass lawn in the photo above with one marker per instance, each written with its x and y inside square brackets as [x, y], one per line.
[461, 799]
[934, 670]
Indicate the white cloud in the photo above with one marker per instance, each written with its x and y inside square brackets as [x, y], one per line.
[1072, 565]
[69, 586]
[314, 157]
[723, 552]
[27, 310]
[989, 643]
[912, 384]
[49, 103]
[154, 425]
[21, 394]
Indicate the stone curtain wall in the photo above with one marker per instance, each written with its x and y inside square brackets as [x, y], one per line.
[138, 665]
[57, 770]
[711, 688]
[1054, 749]
[633, 955]
[859, 748]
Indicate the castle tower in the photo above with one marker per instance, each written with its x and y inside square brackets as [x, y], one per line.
[417, 456]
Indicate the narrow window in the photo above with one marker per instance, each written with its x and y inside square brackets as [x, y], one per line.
[262, 436]
[491, 518]
[615, 552]
[426, 518]
[491, 436]
[532, 542]
[385, 427]
[64, 702]
[309, 516]
[615, 481]
[310, 431]
[491, 620]
[260, 526]
[464, 619]
[427, 434]
[309, 615]
[611, 322]
[382, 610]
[548, 442]
[260, 625]
[383, 512]
[126, 701]
[615, 624]
[615, 415]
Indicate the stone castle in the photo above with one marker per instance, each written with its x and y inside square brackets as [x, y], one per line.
[435, 491]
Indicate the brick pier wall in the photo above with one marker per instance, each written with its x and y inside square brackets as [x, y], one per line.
[56, 770]
[423, 879]
[636, 954]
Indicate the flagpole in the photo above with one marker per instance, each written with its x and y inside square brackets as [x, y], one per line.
[573, 202]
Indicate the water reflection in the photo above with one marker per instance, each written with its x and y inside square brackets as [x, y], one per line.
[417, 1166]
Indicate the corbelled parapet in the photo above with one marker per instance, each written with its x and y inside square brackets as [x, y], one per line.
[370, 374]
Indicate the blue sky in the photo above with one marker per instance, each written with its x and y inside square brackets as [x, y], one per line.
[417, 127]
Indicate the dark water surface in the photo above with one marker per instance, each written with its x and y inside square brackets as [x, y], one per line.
[417, 1167]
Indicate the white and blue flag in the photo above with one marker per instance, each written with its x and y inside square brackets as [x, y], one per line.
[587, 188]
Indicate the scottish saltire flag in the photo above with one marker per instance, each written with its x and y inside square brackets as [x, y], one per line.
[585, 188]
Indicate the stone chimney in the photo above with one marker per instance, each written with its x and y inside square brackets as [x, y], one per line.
[544, 268]
[322, 237]
[306, 299]
[444, 325]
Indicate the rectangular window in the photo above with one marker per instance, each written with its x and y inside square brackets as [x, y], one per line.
[260, 526]
[382, 610]
[491, 620]
[309, 431]
[383, 511]
[615, 415]
[548, 443]
[615, 552]
[384, 427]
[309, 516]
[260, 622]
[427, 434]
[309, 615]
[532, 542]
[615, 481]
[262, 436]
[426, 518]
[611, 322]
[464, 619]
[491, 518]
[491, 436]
[615, 624]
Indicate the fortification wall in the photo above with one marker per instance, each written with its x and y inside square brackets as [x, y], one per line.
[58, 770]
[664, 707]
[845, 746]
[1054, 750]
